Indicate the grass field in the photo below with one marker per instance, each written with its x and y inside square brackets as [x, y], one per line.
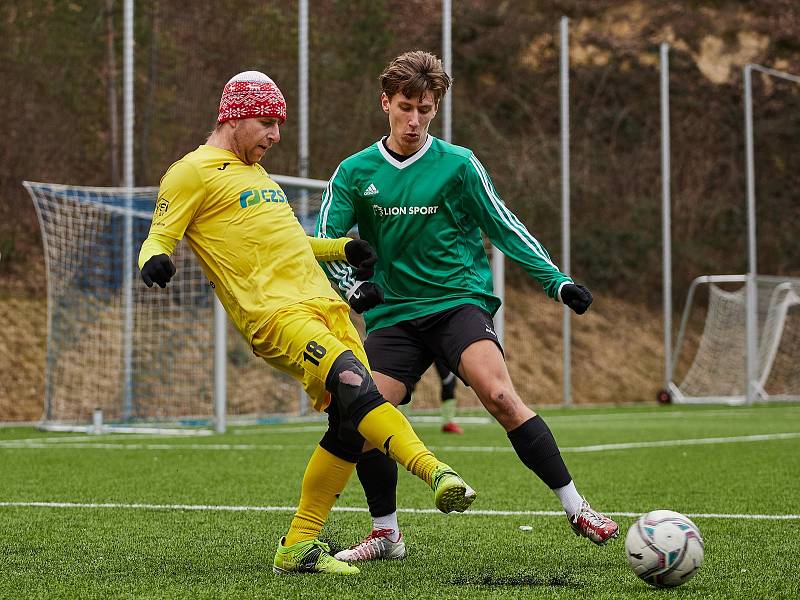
[199, 517]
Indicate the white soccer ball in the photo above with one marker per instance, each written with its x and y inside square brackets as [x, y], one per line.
[664, 548]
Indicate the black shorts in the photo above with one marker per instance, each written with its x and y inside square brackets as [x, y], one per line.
[406, 350]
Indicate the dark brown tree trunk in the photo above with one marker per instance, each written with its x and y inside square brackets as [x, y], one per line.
[152, 76]
[113, 110]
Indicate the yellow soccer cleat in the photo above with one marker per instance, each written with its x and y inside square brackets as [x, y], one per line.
[310, 556]
[450, 492]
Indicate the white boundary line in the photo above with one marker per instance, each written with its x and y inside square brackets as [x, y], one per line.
[285, 426]
[38, 443]
[475, 513]
[582, 418]
[690, 442]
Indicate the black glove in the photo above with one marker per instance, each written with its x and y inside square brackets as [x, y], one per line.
[577, 297]
[366, 296]
[361, 255]
[158, 269]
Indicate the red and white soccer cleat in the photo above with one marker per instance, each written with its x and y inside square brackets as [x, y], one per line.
[594, 525]
[452, 427]
[376, 546]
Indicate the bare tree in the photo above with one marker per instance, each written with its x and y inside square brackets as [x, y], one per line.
[113, 111]
[149, 102]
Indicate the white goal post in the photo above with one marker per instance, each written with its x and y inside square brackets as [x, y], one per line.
[717, 372]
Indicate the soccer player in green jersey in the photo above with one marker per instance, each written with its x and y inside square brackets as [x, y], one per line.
[447, 394]
[264, 270]
[422, 203]
[448, 398]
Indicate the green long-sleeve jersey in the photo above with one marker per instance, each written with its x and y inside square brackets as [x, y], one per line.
[424, 217]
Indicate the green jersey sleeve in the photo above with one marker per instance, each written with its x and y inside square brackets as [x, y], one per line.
[336, 217]
[504, 229]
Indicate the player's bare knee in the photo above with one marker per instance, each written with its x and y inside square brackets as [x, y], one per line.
[502, 403]
[351, 378]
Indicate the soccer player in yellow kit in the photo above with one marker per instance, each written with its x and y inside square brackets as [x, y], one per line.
[265, 271]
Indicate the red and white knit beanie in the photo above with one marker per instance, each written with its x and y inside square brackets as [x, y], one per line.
[251, 94]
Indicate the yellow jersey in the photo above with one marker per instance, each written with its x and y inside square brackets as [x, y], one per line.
[243, 231]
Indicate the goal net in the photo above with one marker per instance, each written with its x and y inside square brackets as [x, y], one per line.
[141, 355]
[716, 371]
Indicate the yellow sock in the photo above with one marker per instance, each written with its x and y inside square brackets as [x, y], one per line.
[387, 429]
[324, 479]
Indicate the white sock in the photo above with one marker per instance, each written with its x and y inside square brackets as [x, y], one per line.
[571, 500]
[387, 522]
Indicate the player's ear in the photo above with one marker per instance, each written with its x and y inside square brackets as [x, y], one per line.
[385, 102]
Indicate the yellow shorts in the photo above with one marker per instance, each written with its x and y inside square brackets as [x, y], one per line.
[305, 339]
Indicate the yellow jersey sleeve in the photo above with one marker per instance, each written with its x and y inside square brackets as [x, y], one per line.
[156, 244]
[327, 250]
[180, 197]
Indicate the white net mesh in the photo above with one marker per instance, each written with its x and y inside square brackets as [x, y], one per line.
[718, 370]
[171, 345]
[779, 347]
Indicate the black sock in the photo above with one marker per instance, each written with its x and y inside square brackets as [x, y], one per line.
[537, 449]
[448, 387]
[378, 476]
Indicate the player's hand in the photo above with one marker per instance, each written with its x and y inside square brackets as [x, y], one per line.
[366, 295]
[361, 255]
[577, 297]
[158, 269]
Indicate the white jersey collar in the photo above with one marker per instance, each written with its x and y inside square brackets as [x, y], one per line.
[409, 161]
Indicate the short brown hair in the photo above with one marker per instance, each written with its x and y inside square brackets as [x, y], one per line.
[413, 74]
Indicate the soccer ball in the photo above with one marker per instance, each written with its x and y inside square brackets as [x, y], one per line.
[664, 548]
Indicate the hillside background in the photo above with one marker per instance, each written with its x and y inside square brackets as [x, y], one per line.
[61, 92]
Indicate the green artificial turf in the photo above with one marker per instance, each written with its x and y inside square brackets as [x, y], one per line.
[199, 517]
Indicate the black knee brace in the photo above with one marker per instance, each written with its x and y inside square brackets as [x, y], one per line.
[353, 395]
[341, 439]
[352, 388]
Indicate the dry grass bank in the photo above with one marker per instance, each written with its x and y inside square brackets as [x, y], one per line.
[617, 355]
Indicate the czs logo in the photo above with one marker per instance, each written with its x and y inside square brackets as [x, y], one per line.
[161, 207]
[252, 197]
